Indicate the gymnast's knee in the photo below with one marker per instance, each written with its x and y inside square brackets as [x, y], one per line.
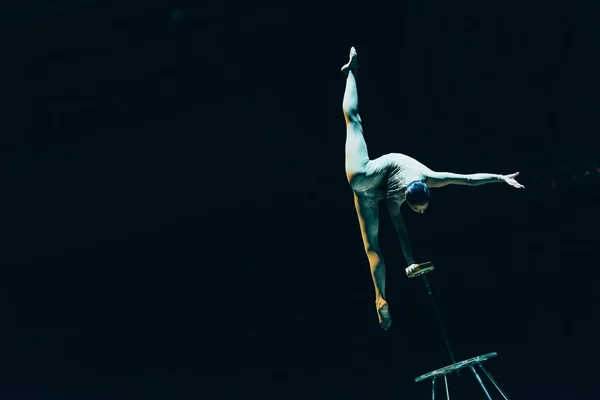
[353, 119]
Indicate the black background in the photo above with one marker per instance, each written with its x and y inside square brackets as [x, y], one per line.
[176, 221]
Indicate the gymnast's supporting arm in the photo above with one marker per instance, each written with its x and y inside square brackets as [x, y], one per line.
[398, 221]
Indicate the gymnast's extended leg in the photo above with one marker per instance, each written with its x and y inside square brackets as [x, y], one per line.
[357, 155]
[357, 158]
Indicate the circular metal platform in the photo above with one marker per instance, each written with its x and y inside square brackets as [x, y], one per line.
[455, 367]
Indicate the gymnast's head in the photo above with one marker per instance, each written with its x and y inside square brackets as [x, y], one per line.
[417, 196]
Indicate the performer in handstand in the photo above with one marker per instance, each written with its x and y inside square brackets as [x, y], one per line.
[395, 178]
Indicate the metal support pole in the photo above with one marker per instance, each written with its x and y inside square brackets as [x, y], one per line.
[439, 318]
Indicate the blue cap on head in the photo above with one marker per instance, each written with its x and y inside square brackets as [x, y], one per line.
[417, 193]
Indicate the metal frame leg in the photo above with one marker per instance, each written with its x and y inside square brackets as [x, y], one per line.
[494, 382]
[447, 391]
[433, 388]
[480, 382]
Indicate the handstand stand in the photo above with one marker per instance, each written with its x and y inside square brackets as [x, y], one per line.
[395, 178]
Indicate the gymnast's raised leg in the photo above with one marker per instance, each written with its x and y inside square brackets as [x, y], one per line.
[357, 158]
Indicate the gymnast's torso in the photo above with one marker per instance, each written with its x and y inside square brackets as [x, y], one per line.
[386, 177]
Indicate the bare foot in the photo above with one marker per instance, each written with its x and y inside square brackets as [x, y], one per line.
[352, 63]
[385, 319]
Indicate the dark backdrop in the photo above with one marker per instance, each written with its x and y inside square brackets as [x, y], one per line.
[176, 221]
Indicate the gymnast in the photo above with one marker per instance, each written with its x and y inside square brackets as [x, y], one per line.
[395, 178]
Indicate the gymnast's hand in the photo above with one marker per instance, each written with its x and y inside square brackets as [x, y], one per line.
[411, 269]
[510, 179]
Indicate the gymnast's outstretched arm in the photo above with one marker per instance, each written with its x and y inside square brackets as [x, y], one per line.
[440, 179]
